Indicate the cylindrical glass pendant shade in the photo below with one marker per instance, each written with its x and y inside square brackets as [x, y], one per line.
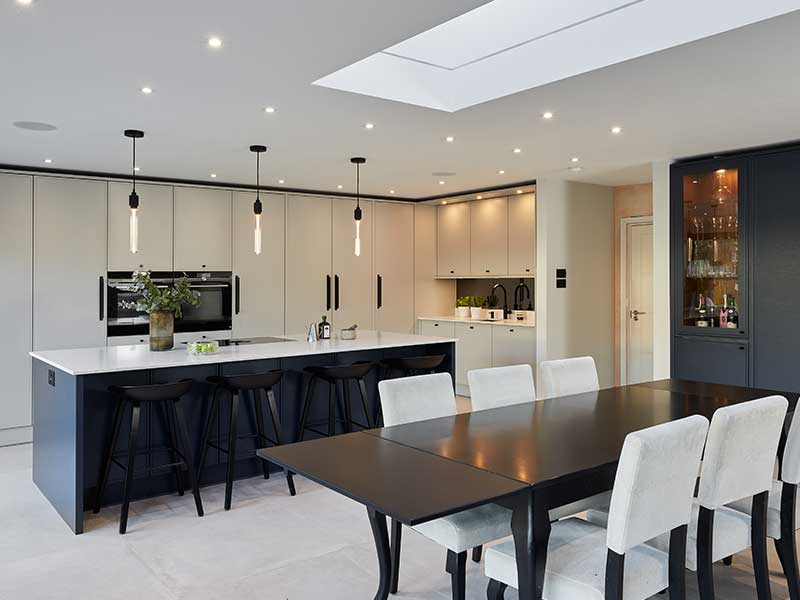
[134, 230]
[257, 236]
[358, 238]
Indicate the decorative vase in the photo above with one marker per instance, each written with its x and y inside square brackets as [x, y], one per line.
[476, 312]
[462, 312]
[162, 330]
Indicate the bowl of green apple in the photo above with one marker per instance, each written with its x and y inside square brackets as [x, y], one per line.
[202, 348]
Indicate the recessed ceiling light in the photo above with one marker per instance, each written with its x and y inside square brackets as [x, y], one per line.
[616, 130]
[281, 181]
[214, 42]
[269, 110]
[575, 169]
[444, 201]
[695, 181]
[48, 160]
[339, 187]
[449, 138]
[368, 125]
[137, 169]
[501, 172]
[519, 191]
[547, 115]
[517, 150]
[213, 175]
[391, 191]
[574, 159]
[147, 90]
[25, 2]
[479, 197]
[441, 182]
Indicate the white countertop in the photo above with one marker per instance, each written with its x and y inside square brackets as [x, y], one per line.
[455, 319]
[88, 361]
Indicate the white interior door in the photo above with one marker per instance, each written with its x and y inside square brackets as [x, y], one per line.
[639, 302]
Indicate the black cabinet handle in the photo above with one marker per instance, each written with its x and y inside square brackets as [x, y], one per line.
[741, 347]
[487, 270]
[102, 288]
[527, 270]
[435, 324]
[238, 294]
[336, 292]
[452, 271]
[327, 292]
[380, 291]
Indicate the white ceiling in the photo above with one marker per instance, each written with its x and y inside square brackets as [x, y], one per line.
[80, 65]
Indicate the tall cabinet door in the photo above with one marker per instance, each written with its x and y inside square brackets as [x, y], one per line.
[522, 235]
[69, 263]
[155, 228]
[16, 263]
[309, 278]
[488, 234]
[452, 240]
[202, 229]
[394, 267]
[352, 275]
[258, 278]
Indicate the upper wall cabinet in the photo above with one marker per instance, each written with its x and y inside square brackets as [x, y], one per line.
[522, 235]
[155, 228]
[452, 224]
[202, 229]
[488, 234]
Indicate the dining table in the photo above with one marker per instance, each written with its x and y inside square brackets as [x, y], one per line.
[529, 457]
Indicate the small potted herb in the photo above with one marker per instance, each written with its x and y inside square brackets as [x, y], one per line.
[462, 307]
[475, 307]
[163, 304]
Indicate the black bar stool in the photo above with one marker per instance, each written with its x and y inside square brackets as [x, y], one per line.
[344, 374]
[412, 365]
[250, 385]
[168, 395]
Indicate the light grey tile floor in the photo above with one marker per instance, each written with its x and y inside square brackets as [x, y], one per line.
[316, 545]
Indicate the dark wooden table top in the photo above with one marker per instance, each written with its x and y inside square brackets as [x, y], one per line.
[409, 485]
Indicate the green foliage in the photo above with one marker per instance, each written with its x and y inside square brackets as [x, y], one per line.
[476, 301]
[462, 301]
[491, 301]
[169, 298]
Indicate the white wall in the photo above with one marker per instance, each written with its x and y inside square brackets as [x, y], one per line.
[661, 283]
[575, 231]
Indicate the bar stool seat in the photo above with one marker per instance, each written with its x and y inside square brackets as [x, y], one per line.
[249, 385]
[413, 365]
[335, 376]
[168, 395]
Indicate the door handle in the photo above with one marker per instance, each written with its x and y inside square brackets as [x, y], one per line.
[102, 298]
[237, 294]
[380, 291]
[635, 314]
[336, 292]
[327, 292]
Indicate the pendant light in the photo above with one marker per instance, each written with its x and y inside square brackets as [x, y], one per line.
[358, 161]
[133, 199]
[257, 207]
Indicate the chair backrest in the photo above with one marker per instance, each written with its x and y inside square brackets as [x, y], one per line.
[655, 482]
[740, 451]
[409, 399]
[790, 469]
[568, 376]
[501, 386]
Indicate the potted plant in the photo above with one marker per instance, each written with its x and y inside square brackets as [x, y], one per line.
[163, 304]
[475, 307]
[462, 307]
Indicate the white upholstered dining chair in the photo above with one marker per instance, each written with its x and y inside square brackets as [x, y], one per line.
[410, 399]
[501, 386]
[652, 496]
[568, 376]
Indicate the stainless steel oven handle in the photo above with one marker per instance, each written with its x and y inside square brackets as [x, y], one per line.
[210, 286]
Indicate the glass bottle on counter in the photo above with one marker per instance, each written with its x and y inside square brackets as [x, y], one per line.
[324, 329]
[702, 312]
[733, 314]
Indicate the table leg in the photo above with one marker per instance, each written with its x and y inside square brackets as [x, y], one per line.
[530, 525]
[381, 536]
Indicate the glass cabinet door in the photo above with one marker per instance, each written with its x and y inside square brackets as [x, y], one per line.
[711, 257]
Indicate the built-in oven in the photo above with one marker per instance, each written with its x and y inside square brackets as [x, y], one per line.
[213, 313]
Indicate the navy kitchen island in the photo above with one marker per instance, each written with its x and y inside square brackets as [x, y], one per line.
[73, 408]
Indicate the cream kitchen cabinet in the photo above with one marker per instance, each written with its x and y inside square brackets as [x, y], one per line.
[513, 345]
[522, 235]
[69, 263]
[353, 291]
[452, 234]
[488, 235]
[155, 228]
[394, 267]
[473, 351]
[258, 282]
[437, 328]
[202, 229]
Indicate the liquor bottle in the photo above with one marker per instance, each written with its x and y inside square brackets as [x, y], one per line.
[733, 314]
[702, 317]
[324, 329]
[723, 314]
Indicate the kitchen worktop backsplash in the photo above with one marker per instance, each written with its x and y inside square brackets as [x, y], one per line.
[483, 287]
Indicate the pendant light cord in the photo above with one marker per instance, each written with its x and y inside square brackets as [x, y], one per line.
[258, 174]
[133, 166]
[358, 185]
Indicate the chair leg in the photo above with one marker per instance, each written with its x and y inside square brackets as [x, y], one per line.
[126, 494]
[758, 534]
[705, 573]
[615, 575]
[394, 555]
[260, 429]
[276, 424]
[787, 544]
[362, 389]
[456, 565]
[332, 396]
[727, 561]
[306, 408]
[496, 590]
[477, 553]
[232, 435]
[186, 449]
[348, 409]
[112, 444]
[677, 563]
[174, 446]
[212, 419]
